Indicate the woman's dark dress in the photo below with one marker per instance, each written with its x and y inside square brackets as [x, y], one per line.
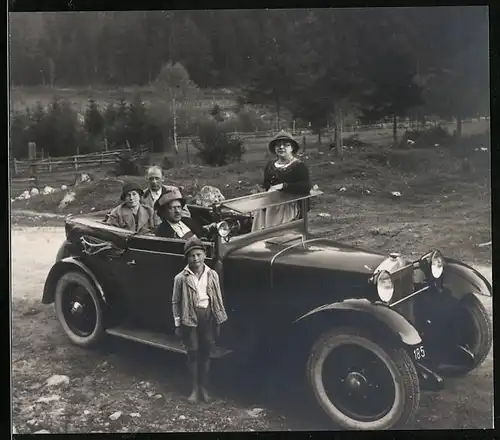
[296, 180]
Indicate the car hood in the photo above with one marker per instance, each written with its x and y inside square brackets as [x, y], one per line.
[317, 253]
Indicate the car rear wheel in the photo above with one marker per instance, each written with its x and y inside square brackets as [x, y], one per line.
[361, 383]
[472, 338]
[79, 309]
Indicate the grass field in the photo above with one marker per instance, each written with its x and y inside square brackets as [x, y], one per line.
[22, 97]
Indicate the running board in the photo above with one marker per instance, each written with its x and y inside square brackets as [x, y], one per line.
[159, 340]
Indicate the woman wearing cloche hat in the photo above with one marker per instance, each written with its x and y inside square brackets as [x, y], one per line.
[198, 310]
[285, 173]
[131, 214]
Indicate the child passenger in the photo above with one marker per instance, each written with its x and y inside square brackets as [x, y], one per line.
[198, 310]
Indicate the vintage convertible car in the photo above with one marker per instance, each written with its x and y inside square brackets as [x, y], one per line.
[374, 329]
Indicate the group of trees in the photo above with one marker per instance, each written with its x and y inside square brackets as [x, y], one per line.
[316, 64]
[59, 130]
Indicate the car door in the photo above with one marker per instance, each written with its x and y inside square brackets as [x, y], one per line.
[154, 262]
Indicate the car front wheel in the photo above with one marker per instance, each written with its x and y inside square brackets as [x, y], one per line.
[472, 338]
[361, 383]
[79, 309]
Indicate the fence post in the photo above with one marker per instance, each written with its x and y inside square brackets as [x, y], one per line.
[101, 159]
[304, 143]
[50, 164]
[187, 151]
[75, 162]
[15, 166]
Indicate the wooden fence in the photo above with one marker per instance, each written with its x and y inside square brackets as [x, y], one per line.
[76, 162]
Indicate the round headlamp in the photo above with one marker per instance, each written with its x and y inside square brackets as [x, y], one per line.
[385, 286]
[223, 229]
[437, 264]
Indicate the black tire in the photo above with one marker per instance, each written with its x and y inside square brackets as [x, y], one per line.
[474, 324]
[66, 286]
[404, 390]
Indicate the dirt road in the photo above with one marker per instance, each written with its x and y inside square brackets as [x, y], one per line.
[149, 396]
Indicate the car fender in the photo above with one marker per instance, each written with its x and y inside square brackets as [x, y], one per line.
[461, 280]
[391, 319]
[58, 269]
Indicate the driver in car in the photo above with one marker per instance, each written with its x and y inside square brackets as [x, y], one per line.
[169, 208]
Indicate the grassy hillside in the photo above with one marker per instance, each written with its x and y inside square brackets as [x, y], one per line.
[22, 97]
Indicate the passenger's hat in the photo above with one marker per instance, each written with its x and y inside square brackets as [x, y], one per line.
[130, 186]
[193, 243]
[169, 196]
[283, 136]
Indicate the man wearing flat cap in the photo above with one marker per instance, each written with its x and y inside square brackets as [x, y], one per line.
[131, 214]
[198, 310]
[169, 208]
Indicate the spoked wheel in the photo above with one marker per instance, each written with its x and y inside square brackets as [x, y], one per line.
[79, 309]
[472, 338]
[361, 383]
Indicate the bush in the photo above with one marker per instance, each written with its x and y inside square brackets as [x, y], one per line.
[216, 147]
[126, 166]
[426, 138]
[93, 120]
[19, 134]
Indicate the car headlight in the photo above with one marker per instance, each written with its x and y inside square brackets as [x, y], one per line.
[385, 286]
[437, 264]
[223, 229]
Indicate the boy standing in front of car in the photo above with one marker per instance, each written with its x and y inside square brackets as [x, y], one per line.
[198, 311]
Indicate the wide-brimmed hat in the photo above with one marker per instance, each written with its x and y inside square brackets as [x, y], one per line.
[169, 196]
[131, 186]
[193, 243]
[283, 135]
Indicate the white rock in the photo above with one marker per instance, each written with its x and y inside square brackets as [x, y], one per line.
[484, 244]
[116, 415]
[332, 163]
[32, 422]
[396, 194]
[343, 189]
[34, 192]
[51, 398]
[158, 396]
[209, 195]
[182, 417]
[484, 149]
[48, 190]
[255, 412]
[64, 187]
[436, 145]
[42, 431]
[67, 199]
[84, 177]
[150, 393]
[315, 188]
[135, 415]
[57, 379]
[14, 430]
[410, 142]
[92, 209]
[368, 191]
[324, 215]
[86, 412]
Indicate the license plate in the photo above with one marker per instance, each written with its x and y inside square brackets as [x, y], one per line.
[419, 353]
